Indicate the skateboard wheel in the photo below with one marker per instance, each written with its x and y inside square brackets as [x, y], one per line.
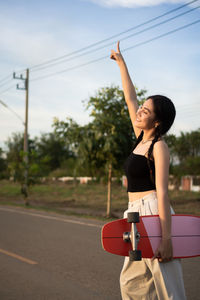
[135, 255]
[133, 217]
[127, 237]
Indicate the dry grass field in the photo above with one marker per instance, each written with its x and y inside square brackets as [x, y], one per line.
[87, 199]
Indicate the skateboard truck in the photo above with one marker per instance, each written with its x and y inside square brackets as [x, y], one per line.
[133, 236]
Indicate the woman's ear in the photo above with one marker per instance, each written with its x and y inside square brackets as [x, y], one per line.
[156, 124]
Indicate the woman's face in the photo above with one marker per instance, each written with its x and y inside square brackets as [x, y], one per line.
[145, 116]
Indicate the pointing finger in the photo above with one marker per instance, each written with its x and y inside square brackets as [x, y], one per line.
[112, 56]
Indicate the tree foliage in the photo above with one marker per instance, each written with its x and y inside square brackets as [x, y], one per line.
[3, 165]
[107, 139]
[89, 149]
[102, 145]
[45, 154]
[185, 153]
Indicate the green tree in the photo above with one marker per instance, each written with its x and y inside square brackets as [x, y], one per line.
[194, 141]
[45, 154]
[102, 145]
[15, 155]
[71, 134]
[187, 144]
[185, 154]
[3, 165]
[113, 130]
[15, 160]
[50, 152]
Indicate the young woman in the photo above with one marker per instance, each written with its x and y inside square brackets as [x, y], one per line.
[147, 171]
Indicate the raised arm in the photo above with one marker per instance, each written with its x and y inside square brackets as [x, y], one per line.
[128, 87]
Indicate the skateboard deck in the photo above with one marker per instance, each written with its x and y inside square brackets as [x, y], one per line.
[118, 237]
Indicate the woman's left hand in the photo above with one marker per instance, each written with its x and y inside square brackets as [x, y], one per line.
[164, 253]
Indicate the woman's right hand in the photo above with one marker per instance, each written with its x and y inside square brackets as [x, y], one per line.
[116, 55]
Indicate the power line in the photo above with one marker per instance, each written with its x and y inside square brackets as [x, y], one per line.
[39, 67]
[186, 107]
[5, 78]
[186, 113]
[189, 104]
[114, 42]
[112, 37]
[5, 81]
[10, 109]
[8, 78]
[9, 88]
[189, 115]
[126, 49]
[163, 35]
[181, 112]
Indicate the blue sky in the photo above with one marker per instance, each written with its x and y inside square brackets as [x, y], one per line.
[33, 32]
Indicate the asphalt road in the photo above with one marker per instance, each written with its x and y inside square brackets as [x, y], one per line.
[50, 256]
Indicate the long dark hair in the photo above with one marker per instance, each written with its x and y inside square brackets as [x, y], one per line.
[165, 113]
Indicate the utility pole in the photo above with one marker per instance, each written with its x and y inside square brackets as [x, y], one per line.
[26, 88]
[108, 213]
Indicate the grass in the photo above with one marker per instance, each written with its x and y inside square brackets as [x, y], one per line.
[87, 199]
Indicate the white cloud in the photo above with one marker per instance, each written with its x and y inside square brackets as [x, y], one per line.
[133, 3]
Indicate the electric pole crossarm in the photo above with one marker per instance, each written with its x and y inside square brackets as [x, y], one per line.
[15, 77]
[18, 88]
[21, 78]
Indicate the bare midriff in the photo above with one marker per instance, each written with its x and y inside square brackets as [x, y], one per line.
[138, 195]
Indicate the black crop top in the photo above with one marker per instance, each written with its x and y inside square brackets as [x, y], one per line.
[138, 173]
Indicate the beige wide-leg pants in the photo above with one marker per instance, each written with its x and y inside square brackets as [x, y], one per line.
[149, 279]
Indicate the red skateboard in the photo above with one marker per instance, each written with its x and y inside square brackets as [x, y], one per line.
[139, 237]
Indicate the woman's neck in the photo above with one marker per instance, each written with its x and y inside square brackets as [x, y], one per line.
[148, 135]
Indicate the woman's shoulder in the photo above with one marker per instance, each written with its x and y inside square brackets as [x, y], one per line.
[161, 147]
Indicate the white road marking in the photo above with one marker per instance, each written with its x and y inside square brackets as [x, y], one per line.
[49, 217]
[21, 258]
